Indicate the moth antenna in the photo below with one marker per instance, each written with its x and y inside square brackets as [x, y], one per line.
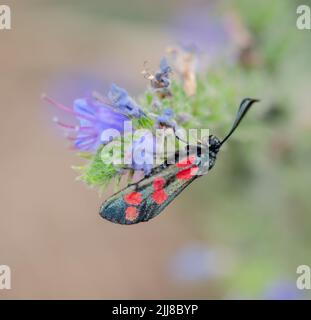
[244, 107]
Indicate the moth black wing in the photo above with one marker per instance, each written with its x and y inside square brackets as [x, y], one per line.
[146, 199]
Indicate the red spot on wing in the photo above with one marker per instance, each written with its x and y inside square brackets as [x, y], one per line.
[131, 213]
[159, 196]
[187, 173]
[186, 161]
[158, 183]
[133, 198]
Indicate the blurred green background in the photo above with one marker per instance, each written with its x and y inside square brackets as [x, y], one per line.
[239, 232]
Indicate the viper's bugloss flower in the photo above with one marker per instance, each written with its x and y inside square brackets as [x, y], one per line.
[94, 117]
[124, 103]
[166, 118]
[162, 77]
[167, 104]
[160, 81]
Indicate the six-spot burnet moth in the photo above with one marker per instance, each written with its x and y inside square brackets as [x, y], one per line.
[145, 199]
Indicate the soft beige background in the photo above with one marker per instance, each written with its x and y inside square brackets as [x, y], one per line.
[253, 210]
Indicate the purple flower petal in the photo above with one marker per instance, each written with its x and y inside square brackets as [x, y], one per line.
[94, 117]
[123, 102]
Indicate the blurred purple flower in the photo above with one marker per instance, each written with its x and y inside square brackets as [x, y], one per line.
[94, 117]
[162, 77]
[194, 262]
[160, 81]
[183, 117]
[124, 103]
[217, 34]
[198, 27]
[282, 290]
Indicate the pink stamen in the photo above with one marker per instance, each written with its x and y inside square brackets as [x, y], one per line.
[83, 138]
[72, 127]
[65, 125]
[65, 108]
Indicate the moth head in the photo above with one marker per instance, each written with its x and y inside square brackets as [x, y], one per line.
[214, 144]
[211, 143]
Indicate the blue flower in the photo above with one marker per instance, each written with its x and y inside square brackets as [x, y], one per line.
[94, 117]
[161, 79]
[124, 103]
[194, 262]
[201, 28]
[166, 118]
